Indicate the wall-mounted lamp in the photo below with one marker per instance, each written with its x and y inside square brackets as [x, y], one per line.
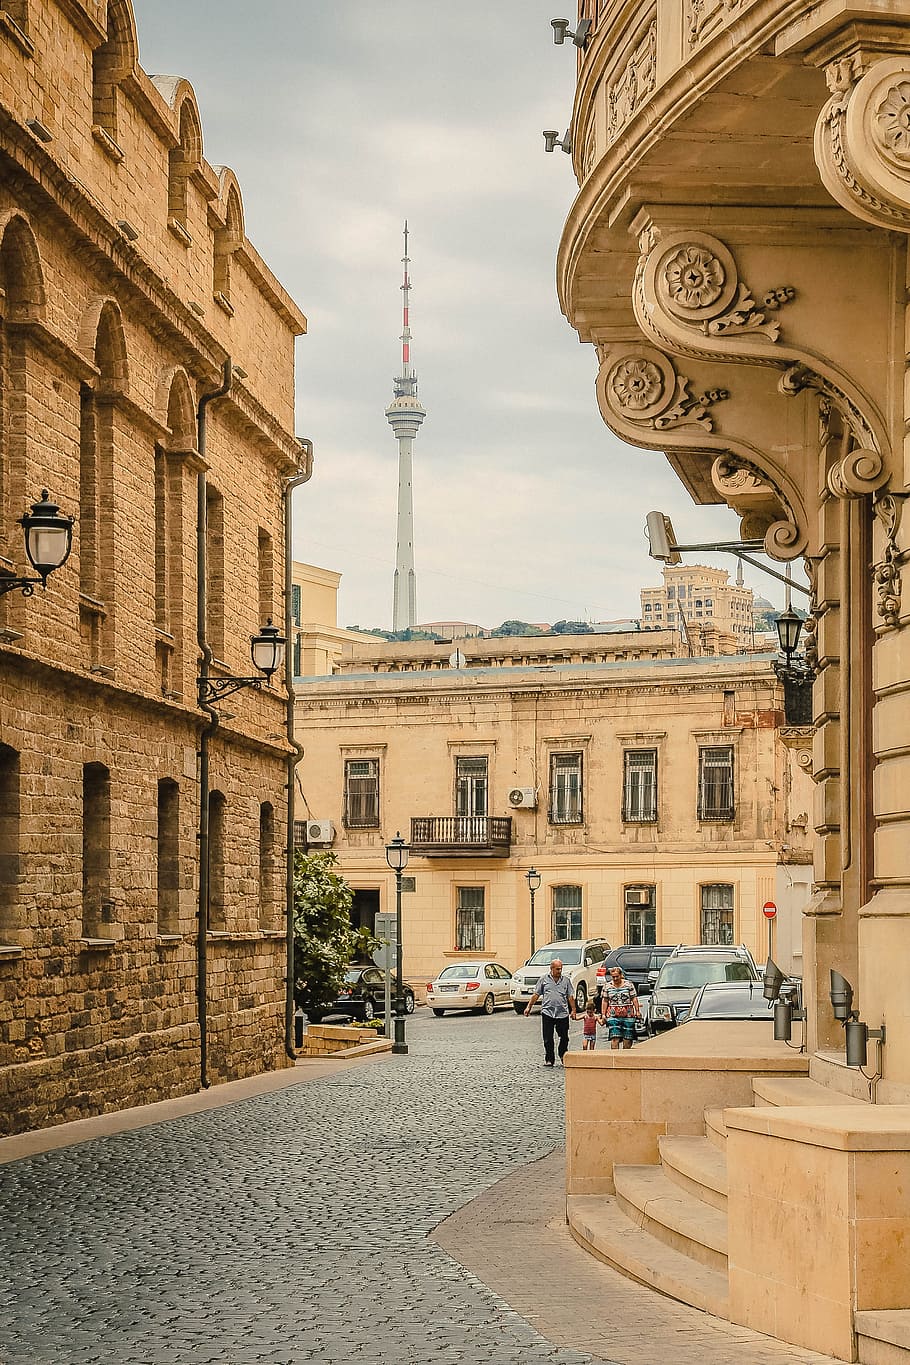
[130, 232]
[785, 996]
[40, 130]
[267, 652]
[561, 31]
[240, 373]
[857, 1033]
[551, 139]
[48, 541]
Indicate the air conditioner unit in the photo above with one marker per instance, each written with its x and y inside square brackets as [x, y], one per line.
[523, 798]
[638, 897]
[320, 832]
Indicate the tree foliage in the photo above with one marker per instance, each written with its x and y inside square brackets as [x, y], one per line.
[515, 628]
[324, 938]
[572, 628]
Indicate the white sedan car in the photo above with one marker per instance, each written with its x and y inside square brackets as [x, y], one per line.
[479, 986]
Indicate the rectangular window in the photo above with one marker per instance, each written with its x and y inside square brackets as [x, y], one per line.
[97, 908]
[298, 653]
[471, 784]
[566, 912]
[9, 842]
[214, 577]
[469, 919]
[715, 782]
[265, 561]
[215, 907]
[717, 913]
[296, 604]
[565, 789]
[267, 906]
[641, 915]
[168, 856]
[361, 793]
[639, 795]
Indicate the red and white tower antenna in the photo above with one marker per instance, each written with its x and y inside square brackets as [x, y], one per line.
[404, 415]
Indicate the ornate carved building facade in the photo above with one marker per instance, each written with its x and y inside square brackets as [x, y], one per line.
[738, 256]
[126, 285]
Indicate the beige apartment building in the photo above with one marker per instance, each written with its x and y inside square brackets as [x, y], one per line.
[661, 798]
[737, 257]
[127, 284]
[694, 599]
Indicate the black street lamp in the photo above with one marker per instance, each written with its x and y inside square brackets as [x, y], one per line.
[267, 652]
[48, 541]
[534, 880]
[396, 855]
[789, 627]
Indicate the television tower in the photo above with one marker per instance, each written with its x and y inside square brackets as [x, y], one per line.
[405, 415]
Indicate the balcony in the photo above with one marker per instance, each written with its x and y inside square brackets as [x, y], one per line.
[461, 836]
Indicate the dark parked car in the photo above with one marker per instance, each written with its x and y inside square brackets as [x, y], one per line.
[362, 996]
[636, 961]
[729, 1000]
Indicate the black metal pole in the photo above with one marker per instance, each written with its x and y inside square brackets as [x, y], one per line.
[399, 1045]
[532, 920]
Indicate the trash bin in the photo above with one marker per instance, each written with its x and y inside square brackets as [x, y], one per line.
[298, 1028]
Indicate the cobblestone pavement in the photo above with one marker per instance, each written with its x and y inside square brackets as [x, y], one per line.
[292, 1227]
[405, 1211]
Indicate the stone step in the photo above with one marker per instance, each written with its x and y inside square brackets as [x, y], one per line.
[696, 1166]
[883, 1336]
[598, 1224]
[649, 1198]
[715, 1128]
[796, 1090]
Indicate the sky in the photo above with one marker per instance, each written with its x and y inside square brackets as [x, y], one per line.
[341, 118]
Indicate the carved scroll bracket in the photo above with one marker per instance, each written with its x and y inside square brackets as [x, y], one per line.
[641, 387]
[886, 573]
[862, 139]
[766, 512]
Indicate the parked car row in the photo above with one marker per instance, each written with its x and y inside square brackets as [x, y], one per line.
[676, 983]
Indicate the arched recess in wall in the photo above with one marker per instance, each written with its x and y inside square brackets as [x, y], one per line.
[112, 62]
[184, 159]
[176, 400]
[22, 300]
[101, 336]
[228, 237]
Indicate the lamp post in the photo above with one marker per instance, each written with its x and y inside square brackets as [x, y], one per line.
[48, 541]
[396, 855]
[533, 879]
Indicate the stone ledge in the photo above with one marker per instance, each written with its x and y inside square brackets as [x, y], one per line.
[846, 1128]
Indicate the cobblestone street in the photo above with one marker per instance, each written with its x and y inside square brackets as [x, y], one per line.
[291, 1227]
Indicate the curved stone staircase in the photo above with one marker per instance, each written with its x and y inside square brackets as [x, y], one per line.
[666, 1224]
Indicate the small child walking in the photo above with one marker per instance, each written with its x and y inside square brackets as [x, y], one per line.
[589, 1027]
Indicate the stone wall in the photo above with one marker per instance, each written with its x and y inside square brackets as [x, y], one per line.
[126, 284]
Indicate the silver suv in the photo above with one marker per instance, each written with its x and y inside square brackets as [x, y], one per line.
[686, 970]
[579, 957]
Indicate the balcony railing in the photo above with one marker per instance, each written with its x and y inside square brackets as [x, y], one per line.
[461, 835]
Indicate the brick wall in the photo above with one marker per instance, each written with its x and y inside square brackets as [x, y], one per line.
[114, 231]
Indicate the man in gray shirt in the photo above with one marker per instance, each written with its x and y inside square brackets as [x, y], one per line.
[557, 998]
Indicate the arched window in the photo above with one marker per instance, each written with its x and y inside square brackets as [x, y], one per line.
[97, 904]
[227, 240]
[22, 299]
[182, 161]
[111, 62]
[266, 865]
[168, 856]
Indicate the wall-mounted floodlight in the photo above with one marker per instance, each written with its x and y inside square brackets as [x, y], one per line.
[551, 139]
[664, 546]
[841, 994]
[561, 31]
[772, 980]
[661, 539]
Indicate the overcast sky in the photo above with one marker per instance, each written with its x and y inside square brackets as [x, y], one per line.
[341, 118]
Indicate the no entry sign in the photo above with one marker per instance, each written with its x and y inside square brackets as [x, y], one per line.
[769, 909]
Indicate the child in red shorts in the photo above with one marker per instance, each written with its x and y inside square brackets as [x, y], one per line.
[589, 1029]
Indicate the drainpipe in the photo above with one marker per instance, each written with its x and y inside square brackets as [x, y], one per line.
[208, 730]
[305, 471]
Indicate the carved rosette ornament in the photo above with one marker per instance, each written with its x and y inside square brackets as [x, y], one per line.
[862, 139]
[642, 387]
[886, 573]
[687, 289]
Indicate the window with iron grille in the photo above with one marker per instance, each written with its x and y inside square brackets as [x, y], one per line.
[717, 913]
[715, 782]
[300, 839]
[641, 915]
[566, 912]
[298, 653]
[361, 793]
[295, 604]
[470, 919]
[565, 789]
[471, 782]
[639, 794]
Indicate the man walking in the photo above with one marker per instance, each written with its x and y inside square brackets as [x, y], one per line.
[557, 1006]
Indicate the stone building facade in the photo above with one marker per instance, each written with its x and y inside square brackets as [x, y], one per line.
[641, 787]
[693, 598]
[737, 255]
[127, 286]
